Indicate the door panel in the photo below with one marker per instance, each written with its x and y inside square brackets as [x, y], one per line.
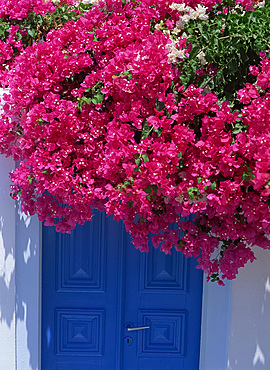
[96, 286]
[166, 296]
[80, 297]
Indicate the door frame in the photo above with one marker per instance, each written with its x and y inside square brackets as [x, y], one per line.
[216, 302]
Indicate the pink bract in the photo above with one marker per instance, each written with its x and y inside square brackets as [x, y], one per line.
[99, 118]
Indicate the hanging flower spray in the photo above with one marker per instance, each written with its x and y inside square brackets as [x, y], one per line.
[151, 111]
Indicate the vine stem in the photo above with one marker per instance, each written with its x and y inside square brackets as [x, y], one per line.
[226, 37]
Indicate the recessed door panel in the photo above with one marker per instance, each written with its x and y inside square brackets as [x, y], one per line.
[105, 305]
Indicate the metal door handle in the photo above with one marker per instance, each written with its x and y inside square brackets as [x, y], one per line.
[138, 328]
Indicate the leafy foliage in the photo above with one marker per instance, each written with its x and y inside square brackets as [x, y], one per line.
[231, 41]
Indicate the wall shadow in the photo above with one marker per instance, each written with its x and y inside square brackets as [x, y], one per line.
[250, 321]
[27, 290]
[19, 288]
[7, 273]
[7, 268]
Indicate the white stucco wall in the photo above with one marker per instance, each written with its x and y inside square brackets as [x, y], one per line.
[7, 269]
[19, 281]
[215, 330]
[27, 291]
[249, 345]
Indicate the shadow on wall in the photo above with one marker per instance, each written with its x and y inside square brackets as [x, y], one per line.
[19, 280]
[27, 290]
[7, 269]
[7, 248]
[7, 274]
[250, 321]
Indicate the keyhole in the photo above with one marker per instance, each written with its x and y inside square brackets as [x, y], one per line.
[128, 341]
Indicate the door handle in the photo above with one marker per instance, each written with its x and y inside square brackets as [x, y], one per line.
[138, 328]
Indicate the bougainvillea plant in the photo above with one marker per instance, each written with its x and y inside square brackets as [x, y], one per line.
[150, 110]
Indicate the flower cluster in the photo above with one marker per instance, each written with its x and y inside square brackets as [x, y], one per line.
[20, 9]
[99, 118]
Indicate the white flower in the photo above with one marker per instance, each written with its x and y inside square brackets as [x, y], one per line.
[93, 2]
[190, 13]
[179, 7]
[179, 24]
[186, 18]
[198, 13]
[166, 200]
[201, 57]
[201, 11]
[174, 53]
[261, 4]
[86, 2]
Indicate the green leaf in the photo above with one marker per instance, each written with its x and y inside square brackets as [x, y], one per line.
[190, 193]
[145, 158]
[87, 100]
[155, 188]
[159, 131]
[245, 176]
[146, 131]
[80, 104]
[180, 243]
[194, 52]
[214, 278]
[98, 98]
[138, 161]
[148, 190]
[32, 33]
[213, 185]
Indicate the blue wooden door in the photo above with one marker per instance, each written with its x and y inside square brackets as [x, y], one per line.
[107, 306]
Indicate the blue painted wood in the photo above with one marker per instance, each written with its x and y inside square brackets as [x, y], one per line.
[96, 285]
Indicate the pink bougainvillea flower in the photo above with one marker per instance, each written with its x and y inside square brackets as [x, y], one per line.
[98, 117]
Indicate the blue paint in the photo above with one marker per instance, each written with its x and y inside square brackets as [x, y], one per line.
[96, 285]
[48, 335]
